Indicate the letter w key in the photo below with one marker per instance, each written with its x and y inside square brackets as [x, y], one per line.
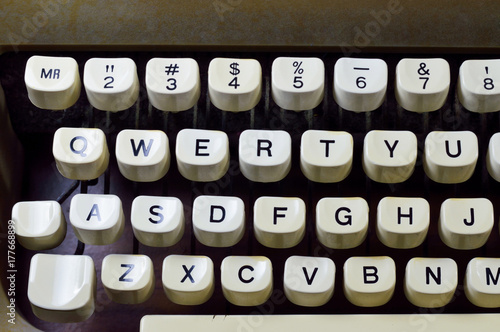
[143, 155]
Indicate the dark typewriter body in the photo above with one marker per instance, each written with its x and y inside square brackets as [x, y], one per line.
[262, 30]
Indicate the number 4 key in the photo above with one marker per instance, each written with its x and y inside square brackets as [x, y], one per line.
[479, 85]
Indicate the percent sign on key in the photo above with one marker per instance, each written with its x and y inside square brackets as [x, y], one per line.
[298, 69]
[297, 80]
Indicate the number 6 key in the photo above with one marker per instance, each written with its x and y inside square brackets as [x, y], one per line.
[359, 85]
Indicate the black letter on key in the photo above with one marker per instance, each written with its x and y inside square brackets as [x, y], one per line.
[157, 214]
[489, 276]
[327, 146]
[94, 212]
[188, 273]
[391, 148]
[142, 145]
[212, 209]
[471, 222]
[401, 215]
[81, 152]
[429, 273]
[459, 149]
[200, 147]
[309, 280]
[372, 275]
[240, 274]
[348, 217]
[130, 267]
[267, 148]
[276, 215]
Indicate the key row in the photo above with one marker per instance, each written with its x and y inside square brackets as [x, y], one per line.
[278, 222]
[266, 155]
[248, 281]
[235, 85]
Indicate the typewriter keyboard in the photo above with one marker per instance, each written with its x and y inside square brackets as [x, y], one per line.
[256, 191]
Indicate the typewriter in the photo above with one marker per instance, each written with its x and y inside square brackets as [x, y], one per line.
[250, 165]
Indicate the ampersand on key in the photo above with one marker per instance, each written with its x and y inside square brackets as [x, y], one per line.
[422, 70]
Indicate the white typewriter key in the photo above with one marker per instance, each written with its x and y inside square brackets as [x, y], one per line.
[39, 225]
[128, 279]
[279, 222]
[297, 84]
[111, 83]
[478, 85]
[450, 156]
[389, 156]
[202, 155]
[482, 286]
[493, 157]
[80, 153]
[430, 282]
[142, 155]
[157, 221]
[234, 85]
[247, 280]
[173, 84]
[265, 155]
[359, 85]
[326, 156]
[218, 221]
[61, 288]
[96, 219]
[53, 83]
[188, 280]
[341, 223]
[369, 281]
[422, 84]
[466, 223]
[309, 281]
[402, 222]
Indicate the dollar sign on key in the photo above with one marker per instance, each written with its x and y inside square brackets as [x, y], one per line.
[234, 67]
